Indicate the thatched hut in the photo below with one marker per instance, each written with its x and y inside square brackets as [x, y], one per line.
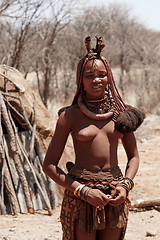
[25, 132]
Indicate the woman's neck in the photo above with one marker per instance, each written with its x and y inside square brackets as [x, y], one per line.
[98, 106]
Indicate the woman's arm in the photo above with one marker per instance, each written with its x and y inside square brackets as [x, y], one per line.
[55, 150]
[130, 146]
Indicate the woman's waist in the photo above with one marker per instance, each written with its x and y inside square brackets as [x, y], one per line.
[96, 174]
[96, 163]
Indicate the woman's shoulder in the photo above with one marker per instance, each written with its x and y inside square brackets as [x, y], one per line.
[69, 110]
[68, 114]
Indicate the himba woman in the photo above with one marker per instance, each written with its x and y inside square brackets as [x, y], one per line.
[95, 204]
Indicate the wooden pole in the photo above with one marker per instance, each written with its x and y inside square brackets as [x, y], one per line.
[43, 179]
[143, 203]
[2, 207]
[8, 182]
[28, 125]
[41, 190]
[10, 190]
[16, 157]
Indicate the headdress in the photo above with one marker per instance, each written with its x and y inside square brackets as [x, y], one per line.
[112, 92]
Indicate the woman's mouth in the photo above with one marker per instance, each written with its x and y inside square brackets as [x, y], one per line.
[97, 86]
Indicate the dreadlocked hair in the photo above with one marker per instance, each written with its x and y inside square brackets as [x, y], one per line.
[112, 92]
[116, 101]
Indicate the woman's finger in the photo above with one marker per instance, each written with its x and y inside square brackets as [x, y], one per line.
[114, 193]
[117, 201]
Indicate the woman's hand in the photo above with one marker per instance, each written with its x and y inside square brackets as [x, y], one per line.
[97, 198]
[118, 196]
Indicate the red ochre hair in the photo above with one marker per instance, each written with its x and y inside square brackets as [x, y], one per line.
[112, 92]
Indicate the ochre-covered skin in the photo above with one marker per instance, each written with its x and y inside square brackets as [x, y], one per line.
[95, 144]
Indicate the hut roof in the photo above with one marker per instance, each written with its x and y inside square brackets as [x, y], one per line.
[16, 85]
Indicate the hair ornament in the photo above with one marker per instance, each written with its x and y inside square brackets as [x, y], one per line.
[94, 52]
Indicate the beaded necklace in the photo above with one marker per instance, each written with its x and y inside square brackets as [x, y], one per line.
[99, 106]
[95, 109]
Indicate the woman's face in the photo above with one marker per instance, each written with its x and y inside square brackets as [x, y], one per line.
[95, 79]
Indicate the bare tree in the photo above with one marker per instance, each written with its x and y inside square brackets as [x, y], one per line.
[6, 5]
[47, 38]
[48, 60]
[146, 48]
[20, 33]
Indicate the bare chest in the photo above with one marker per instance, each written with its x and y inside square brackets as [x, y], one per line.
[89, 130]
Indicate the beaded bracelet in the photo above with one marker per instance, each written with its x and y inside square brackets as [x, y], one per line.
[126, 183]
[82, 191]
[78, 189]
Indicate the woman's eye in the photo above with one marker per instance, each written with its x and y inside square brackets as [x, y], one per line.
[89, 76]
[102, 75]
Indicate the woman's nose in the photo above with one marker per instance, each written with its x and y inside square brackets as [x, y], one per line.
[96, 79]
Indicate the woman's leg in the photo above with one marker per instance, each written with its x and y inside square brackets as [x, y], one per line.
[82, 235]
[109, 233]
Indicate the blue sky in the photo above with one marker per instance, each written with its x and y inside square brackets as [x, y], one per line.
[146, 11]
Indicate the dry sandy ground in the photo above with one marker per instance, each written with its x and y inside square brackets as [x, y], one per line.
[144, 224]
